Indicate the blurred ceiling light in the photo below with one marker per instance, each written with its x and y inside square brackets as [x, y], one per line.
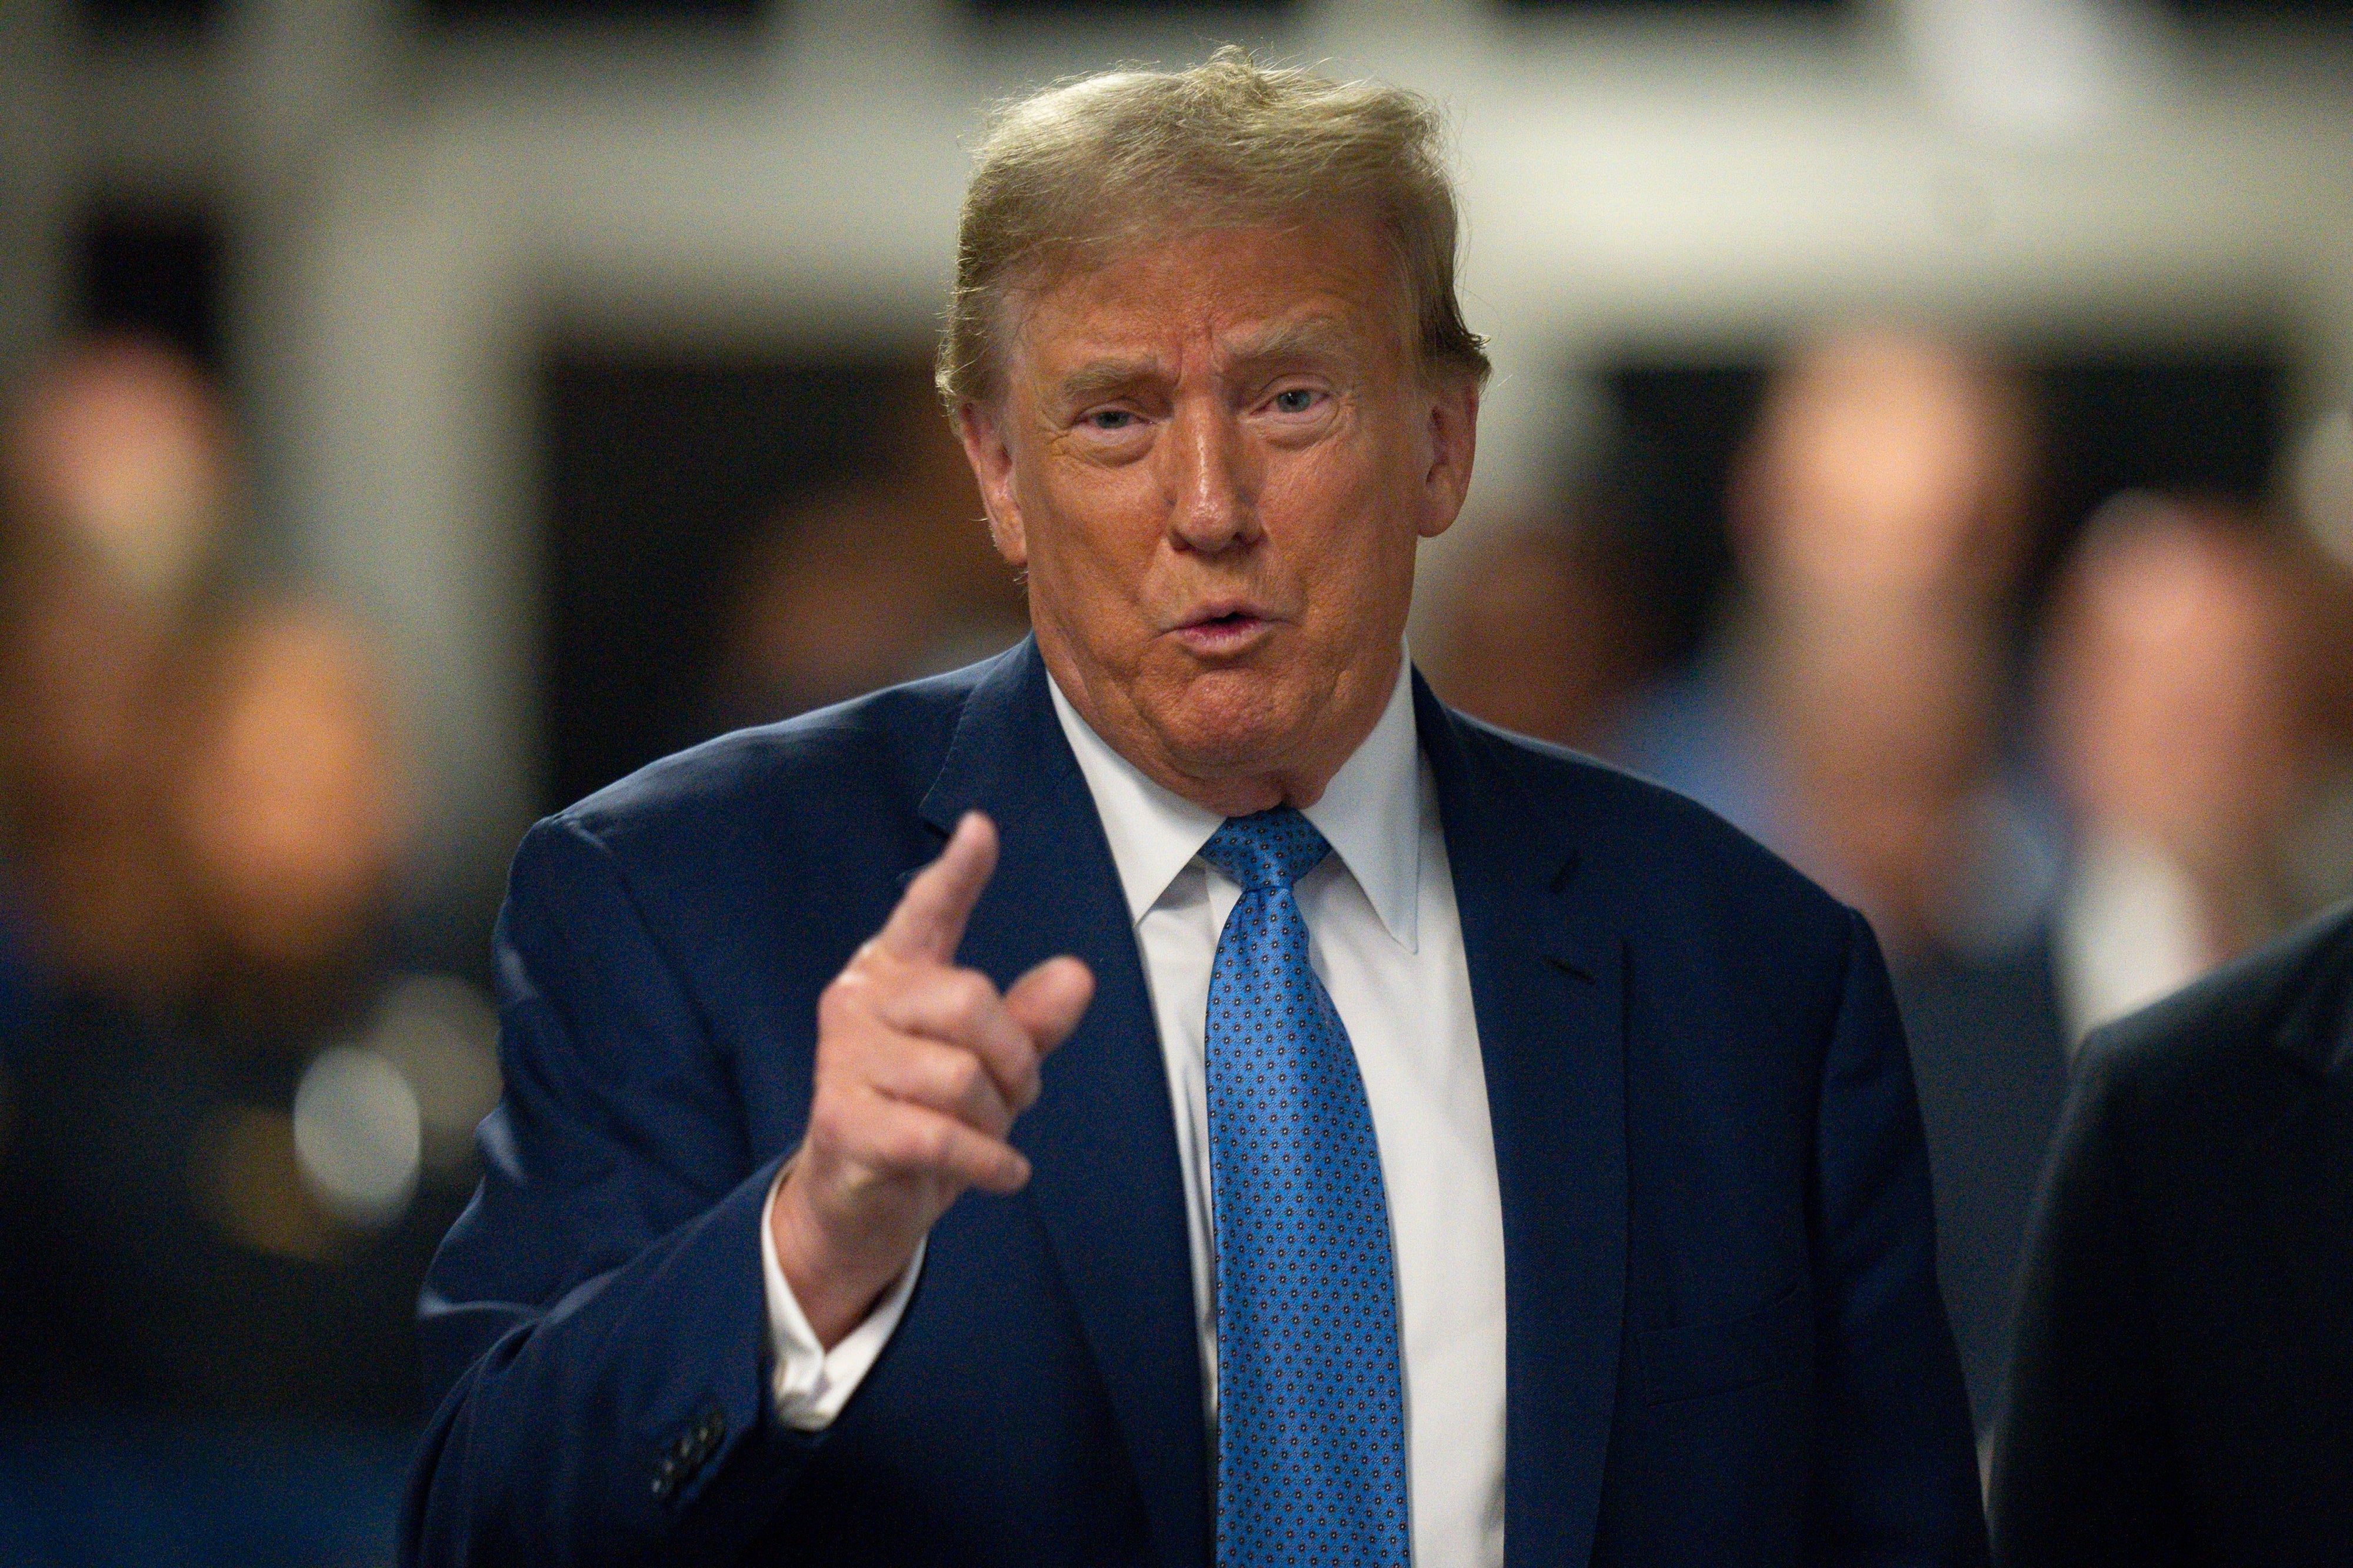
[359, 1136]
[2031, 70]
[442, 1034]
[2320, 483]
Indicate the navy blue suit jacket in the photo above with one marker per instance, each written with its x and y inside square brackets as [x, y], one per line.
[1723, 1339]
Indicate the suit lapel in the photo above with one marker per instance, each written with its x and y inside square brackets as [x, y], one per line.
[1547, 985]
[1101, 1139]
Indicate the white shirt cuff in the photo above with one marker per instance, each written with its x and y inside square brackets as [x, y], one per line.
[812, 1383]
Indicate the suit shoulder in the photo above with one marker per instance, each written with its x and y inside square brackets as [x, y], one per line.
[1649, 836]
[2244, 1021]
[879, 750]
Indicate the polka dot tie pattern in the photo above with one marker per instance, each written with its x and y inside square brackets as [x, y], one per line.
[1311, 1424]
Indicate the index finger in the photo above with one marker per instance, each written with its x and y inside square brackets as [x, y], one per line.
[930, 919]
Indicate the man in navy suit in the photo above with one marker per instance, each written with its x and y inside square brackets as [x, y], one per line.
[1176, 1092]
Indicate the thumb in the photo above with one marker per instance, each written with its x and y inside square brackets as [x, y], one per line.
[1050, 999]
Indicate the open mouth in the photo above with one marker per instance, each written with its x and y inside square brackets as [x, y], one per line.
[1221, 631]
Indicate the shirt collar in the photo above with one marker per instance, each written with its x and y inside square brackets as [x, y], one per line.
[1371, 814]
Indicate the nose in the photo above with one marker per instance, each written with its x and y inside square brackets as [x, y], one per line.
[1207, 477]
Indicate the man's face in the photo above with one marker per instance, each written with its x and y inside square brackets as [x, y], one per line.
[1214, 455]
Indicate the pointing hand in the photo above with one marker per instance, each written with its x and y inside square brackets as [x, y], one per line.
[921, 1068]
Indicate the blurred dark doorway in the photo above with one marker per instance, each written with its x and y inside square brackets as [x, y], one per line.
[2205, 422]
[155, 270]
[731, 539]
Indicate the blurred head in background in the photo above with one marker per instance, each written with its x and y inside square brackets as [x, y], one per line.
[1888, 482]
[289, 804]
[863, 585]
[117, 486]
[2183, 723]
[1539, 632]
[831, 600]
[1881, 517]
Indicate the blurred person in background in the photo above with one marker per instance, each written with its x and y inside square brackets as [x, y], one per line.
[221, 1201]
[116, 484]
[2186, 724]
[236, 1123]
[2181, 1388]
[858, 588]
[1540, 634]
[1854, 716]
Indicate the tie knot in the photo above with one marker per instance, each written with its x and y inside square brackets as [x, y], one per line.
[1267, 850]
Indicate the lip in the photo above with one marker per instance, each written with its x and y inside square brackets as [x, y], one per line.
[1223, 628]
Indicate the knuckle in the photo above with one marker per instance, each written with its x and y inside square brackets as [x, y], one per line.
[834, 1110]
[966, 1078]
[902, 1148]
[831, 1133]
[840, 998]
[971, 996]
[935, 1144]
[844, 1047]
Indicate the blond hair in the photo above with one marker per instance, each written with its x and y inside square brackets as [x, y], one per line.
[1106, 160]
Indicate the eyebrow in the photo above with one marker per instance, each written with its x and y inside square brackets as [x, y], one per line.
[1316, 338]
[1313, 337]
[1098, 378]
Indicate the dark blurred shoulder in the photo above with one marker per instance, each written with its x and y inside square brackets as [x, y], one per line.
[2265, 1023]
[886, 746]
[782, 842]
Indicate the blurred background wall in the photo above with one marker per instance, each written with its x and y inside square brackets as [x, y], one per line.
[412, 236]
[1919, 430]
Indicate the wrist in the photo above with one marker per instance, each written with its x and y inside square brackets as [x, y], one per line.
[834, 1286]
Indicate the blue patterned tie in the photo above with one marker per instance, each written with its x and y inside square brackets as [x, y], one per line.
[1311, 1422]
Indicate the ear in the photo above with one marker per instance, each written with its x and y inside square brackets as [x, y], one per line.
[980, 426]
[1453, 405]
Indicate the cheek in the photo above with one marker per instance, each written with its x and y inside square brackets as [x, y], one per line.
[1091, 536]
[1351, 524]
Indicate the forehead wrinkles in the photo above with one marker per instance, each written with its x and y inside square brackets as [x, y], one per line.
[1167, 320]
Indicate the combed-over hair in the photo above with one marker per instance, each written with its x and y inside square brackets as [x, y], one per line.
[1102, 161]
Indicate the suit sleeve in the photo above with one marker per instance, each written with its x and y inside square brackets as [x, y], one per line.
[595, 1326]
[2081, 1474]
[1898, 1481]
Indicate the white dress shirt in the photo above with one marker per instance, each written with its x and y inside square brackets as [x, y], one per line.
[1386, 939]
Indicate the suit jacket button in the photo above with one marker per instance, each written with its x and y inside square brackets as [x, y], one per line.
[682, 1449]
[661, 1488]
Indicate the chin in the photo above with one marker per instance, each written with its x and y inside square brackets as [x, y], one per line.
[1233, 722]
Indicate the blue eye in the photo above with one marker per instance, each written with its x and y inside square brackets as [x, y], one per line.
[1110, 419]
[1294, 400]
